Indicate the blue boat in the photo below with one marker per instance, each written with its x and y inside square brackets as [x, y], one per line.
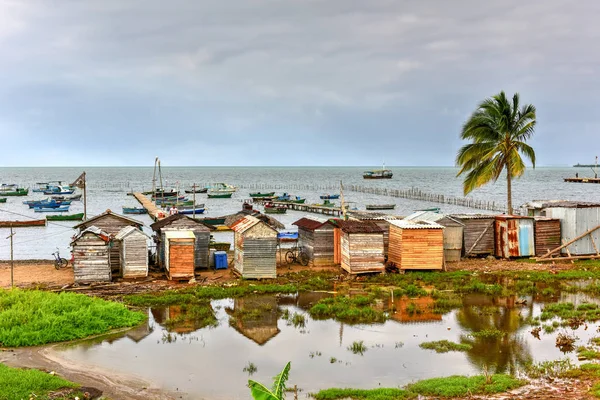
[284, 197]
[134, 210]
[329, 197]
[59, 190]
[192, 211]
[48, 204]
[170, 199]
[47, 209]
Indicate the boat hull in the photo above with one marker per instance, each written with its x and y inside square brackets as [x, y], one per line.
[134, 210]
[220, 195]
[24, 192]
[2, 199]
[380, 206]
[57, 209]
[330, 197]
[187, 212]
[53, 193]
[261, 195]
[22, 224]
[275, 210]
[72, 217]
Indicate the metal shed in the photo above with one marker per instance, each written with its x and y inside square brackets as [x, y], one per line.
[316, 238]
[478, 233]
[179, 253]
[91, 256]
[547, 235]
[514, 236]
[255, 248]
[110, 223]
[360, 246]
[133, 252]
[183, 222]
[453, 232]
[576, 218]
[416, 245]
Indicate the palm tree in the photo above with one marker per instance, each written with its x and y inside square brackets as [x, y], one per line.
[498, 130]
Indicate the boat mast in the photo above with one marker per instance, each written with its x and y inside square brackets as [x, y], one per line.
[343, 204]
[596, 169]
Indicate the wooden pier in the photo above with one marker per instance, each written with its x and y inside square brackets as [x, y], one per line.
[583, 180]
[153, 211]
[334, 211]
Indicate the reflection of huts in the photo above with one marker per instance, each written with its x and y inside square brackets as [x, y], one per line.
[179, 247]
[453, 232]
[478, 233]
[547, 234]
[140, 332]
[414, 310]
[514, 236]
[358, 246]
[183, 222]
[315, 236]
[255, 248]
[416, 245]
[177, 319]
[255, 317]
[133, 244]
[110, 223]
[91, 258]
[576, 218]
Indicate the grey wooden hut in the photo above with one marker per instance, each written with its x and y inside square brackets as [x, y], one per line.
[183, 222]
[381, 220]
[133, 245]
[255, 248]
[453, 232]
[315, 236]
[91, 256]
[110, 223]
[359, 245]
[478, 233]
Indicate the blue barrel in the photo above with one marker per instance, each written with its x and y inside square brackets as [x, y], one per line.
[220, 260]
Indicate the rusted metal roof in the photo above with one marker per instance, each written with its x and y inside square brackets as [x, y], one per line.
[372, 216]
[357, 226]
[104, 214]
[430, 216]
[242, 225]
[172, 218]
[310, 223]
[539, 204]
[504, 217]
[473, 216]
[412, 224]
[94, 230]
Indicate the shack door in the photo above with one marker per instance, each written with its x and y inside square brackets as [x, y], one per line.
[181, 259]
[526, 238]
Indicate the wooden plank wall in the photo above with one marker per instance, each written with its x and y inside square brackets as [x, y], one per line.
[323, 247]
[362, 252]
[416, 248]
[547, 235]
[134, 255]
[181, 258]
[90, 263]
[473, 230]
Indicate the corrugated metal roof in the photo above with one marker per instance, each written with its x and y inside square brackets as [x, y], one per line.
[504, 217]
[123, 233]
[406, 224]
[242, 225]
[473, 216]
[175, 217]
[372, 216]
[358, 226]
[104, 214]
[310, 223]
[539, 204]
[430, 216]
[95, 230]
[180, 235]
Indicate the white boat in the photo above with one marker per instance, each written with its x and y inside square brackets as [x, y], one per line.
[221, 188]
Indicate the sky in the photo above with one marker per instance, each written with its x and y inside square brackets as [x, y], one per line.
[289, 82]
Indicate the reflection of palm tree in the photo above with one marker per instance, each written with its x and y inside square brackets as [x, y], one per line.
[505, 353]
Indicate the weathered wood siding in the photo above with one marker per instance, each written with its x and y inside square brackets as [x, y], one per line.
[453, 243]
[416, 248]
[90, 259]
[134, 255]
[362, 252]
[547, 235]
[180, 253]
[478, 232]
[337, 246]
[318, 244]
[202, 233]
[255, 252]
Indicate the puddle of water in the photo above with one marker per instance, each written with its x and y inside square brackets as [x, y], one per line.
[208, 363]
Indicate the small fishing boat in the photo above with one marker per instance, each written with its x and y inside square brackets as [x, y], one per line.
[177, 204]
[49, 209]
[432, 209]
[22, 224]
[378, 174]
[191, 211]
[41, 187]
[49, 204]
[134, 210]
[76, 197]
[189, 206]
[70, 217]
[219, 195]
[214, 221]
[59, 190]
[171, 200]
[164, 193]
[272, 209]
[283, 197]
[296, 200]
[380, 206]
[261, 195]
[329, 197]
[2, 199]
[197, 190]
[12, 190]
[326, 203]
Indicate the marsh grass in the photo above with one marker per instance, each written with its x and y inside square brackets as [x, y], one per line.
[491, 333]
[565, 311]
[18, 383]
[445, 346]
[358, 347]
[31, 318]
[352, 310]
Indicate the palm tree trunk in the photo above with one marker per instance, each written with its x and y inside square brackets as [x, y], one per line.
[508, 191]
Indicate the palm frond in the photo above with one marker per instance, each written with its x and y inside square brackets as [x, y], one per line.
[527, 150]
[479, 176]
[280, 381]
[260, 391]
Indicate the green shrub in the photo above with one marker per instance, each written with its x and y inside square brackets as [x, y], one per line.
[444, 346]
[18, 383]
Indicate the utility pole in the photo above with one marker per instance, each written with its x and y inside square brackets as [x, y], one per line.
[194, 202]
[84, 197]
[12, 261]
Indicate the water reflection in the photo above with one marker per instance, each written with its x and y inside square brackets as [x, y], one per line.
[413, 310]
[255, 317]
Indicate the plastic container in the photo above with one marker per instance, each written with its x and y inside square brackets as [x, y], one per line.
[220, 260]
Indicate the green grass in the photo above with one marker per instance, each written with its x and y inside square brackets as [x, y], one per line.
[358, 347]
[492, 333]
[585, 311]
[452, 386]
[31, 317]
[352, 310]
[22, 383]
[445, 346]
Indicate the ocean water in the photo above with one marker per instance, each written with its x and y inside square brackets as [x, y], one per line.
[108, 188]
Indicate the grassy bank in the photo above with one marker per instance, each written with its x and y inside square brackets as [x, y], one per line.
[452, 386]
[18, 383]
[31, 317]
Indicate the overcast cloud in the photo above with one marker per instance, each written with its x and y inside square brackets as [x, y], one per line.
[288, 82]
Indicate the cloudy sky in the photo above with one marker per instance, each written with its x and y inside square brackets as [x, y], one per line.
[288, 82]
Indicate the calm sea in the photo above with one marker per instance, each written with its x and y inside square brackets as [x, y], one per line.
[108, 188]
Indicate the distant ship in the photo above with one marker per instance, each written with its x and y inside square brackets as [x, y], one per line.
[378, 174]
[584, 165]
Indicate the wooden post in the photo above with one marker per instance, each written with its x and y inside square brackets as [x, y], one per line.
[12, 261]
[84, 197]
[194, 202]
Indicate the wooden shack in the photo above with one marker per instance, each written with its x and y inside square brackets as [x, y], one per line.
[514, 236]
[416, 245]
[133, 244]
[91, 256]
[453, 232]
[547, 235]
[381, 220]
[315, 236]
[179, 253]
[183, 222]
[358, 246]
[478, 234]
[110, 223]
[255, 248]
